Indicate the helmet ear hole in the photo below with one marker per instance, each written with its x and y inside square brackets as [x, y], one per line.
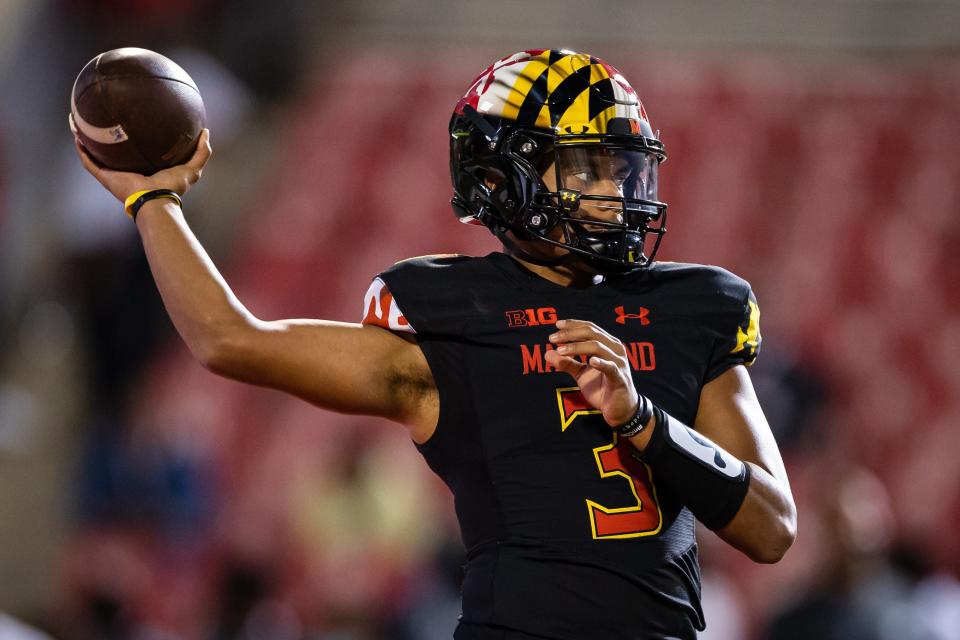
[494, 178]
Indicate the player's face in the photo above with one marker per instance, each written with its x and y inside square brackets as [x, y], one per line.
[603, 172]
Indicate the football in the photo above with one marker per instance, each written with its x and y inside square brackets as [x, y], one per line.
[136, 110]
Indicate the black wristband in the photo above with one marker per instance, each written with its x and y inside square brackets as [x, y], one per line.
[134, 207]
[708, 480]
[636, 424]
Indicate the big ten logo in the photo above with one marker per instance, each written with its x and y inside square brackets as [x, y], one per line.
[531, 317]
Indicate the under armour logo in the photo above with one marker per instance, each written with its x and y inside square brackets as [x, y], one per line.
[642, 316]
[569, 199]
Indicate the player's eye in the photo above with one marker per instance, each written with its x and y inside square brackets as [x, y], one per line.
[620, 168]
[622, 175]
[580, 177]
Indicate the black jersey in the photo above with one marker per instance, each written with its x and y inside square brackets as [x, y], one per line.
[568, 536]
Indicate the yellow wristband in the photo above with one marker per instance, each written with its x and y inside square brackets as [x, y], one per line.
[136, 200]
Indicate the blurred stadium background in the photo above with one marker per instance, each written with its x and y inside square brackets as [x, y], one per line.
[813, 149]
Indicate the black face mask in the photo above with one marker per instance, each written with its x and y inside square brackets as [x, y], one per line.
[598, 200]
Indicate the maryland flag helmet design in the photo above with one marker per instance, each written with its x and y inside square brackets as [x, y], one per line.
[555, 145]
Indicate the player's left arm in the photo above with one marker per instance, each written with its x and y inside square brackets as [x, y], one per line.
[729, 415]
[726, 469]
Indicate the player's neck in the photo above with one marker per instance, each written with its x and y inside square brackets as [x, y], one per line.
[565, 275]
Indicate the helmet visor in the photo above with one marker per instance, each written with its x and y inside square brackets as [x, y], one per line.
[597, 170]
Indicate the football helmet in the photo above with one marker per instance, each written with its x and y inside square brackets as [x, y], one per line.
[555, 146]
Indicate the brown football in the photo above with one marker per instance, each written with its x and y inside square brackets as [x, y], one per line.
[135, 110]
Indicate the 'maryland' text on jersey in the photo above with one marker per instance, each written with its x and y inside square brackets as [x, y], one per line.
[642, 357]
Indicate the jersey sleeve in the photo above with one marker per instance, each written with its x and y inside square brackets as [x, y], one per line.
[432, 291]
[737, 333]
[381, 309]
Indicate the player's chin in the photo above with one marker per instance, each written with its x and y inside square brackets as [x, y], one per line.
[579, 264]
[582, 264]
[541, 249]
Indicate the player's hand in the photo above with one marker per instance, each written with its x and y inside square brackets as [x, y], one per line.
[122, 183]
[604, 373]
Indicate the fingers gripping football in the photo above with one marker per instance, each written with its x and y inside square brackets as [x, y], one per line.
[178, 178]
[599, 364]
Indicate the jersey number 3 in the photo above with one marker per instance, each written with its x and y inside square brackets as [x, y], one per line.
[614, 460]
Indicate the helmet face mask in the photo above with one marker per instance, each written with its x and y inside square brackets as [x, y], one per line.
[588, 187]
